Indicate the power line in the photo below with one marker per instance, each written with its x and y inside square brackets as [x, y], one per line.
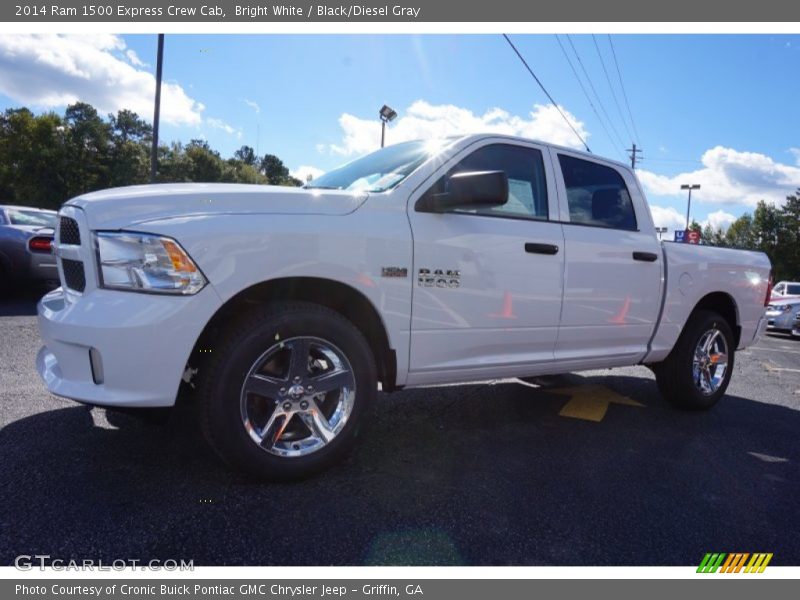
[622, 86]
[585, 93]
[594, 91]
[611, 87]
[553, 102]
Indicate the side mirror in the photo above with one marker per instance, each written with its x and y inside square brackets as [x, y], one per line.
[470, 189]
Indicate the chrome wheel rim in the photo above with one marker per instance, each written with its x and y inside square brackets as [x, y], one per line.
[297, 396]
[710, 361]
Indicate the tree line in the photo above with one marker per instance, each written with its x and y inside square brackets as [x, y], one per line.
[48, 158]
[774, 230]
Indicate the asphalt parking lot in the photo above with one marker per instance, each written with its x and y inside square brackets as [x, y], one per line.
[586, 469]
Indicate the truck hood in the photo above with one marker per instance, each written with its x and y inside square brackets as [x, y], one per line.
[118, 208]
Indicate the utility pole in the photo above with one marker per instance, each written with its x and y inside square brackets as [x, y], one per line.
[634, 152]
[157, 109]
[685, 186]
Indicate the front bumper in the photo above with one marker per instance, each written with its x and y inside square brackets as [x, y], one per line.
[117, 348]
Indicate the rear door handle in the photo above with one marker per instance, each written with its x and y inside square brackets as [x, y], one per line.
[533, 248]
[645, 256]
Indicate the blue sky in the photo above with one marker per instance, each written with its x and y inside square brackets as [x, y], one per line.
[721, 110]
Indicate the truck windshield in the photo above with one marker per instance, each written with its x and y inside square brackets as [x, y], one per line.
[381, 170]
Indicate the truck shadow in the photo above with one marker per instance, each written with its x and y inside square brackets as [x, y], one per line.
[472, 474]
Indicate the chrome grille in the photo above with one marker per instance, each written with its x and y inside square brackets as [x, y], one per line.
[74, 276]
[69, 232]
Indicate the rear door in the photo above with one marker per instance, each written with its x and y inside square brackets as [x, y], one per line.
[613, 270]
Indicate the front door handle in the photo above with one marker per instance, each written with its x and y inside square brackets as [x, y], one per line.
[645, 256]
[533, 248]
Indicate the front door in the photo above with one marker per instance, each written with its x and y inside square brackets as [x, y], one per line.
[488, 281]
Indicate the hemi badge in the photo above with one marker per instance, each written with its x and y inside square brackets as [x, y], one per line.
[394, 272]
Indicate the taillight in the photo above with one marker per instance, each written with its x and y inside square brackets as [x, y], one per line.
[40, 244]
[769, 290]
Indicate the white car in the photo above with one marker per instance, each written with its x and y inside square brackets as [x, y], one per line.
[785, 290]
[423, 263]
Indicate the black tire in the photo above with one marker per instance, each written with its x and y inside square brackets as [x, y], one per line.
[221, 380]
[675, 375]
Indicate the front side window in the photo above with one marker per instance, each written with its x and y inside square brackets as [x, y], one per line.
[527, 184]
[596, 194]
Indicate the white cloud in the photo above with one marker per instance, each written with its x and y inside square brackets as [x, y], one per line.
[134, 59]
[796, 153]
[423, 120]
[719, 219]
[729, 176]
[254, 105]
[51, 71]
[302, 172]
[220, 124]
[667, 216]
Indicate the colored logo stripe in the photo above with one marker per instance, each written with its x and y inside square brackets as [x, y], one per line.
[734, 562]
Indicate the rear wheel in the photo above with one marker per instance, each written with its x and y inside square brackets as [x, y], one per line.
[285, 393]
[696, 373]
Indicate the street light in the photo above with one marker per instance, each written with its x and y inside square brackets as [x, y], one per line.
[387, 114]
[157, 109]
[660, 231]
[686, 186]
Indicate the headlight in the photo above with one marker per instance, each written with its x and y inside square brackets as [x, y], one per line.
[145, 263]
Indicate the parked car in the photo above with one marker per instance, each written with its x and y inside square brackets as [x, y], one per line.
[784, 290]
[796, 325]
[780, 313]
[26, 237]
[476, 258]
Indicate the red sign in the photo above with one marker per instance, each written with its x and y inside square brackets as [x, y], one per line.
[692, 236]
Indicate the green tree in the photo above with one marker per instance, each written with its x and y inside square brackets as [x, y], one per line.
[246, 155]
[46, 159]
[129, 160]
[88, 140]
[276, 172]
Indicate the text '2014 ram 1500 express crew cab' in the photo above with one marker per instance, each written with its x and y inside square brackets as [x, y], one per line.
[458, 260]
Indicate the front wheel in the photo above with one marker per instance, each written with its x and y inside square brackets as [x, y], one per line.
[696, 373]
[285, 393]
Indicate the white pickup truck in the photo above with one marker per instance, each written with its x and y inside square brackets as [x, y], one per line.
[457, 260]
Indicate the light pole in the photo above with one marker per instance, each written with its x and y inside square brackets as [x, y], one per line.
[157, 109]
[686, 186]
[660, 231]
[387, 114]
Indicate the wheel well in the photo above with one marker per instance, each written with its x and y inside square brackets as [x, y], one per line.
[342, 298]
[722, 303]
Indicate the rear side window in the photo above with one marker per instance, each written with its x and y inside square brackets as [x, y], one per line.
[527, 183]
[596, 194]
